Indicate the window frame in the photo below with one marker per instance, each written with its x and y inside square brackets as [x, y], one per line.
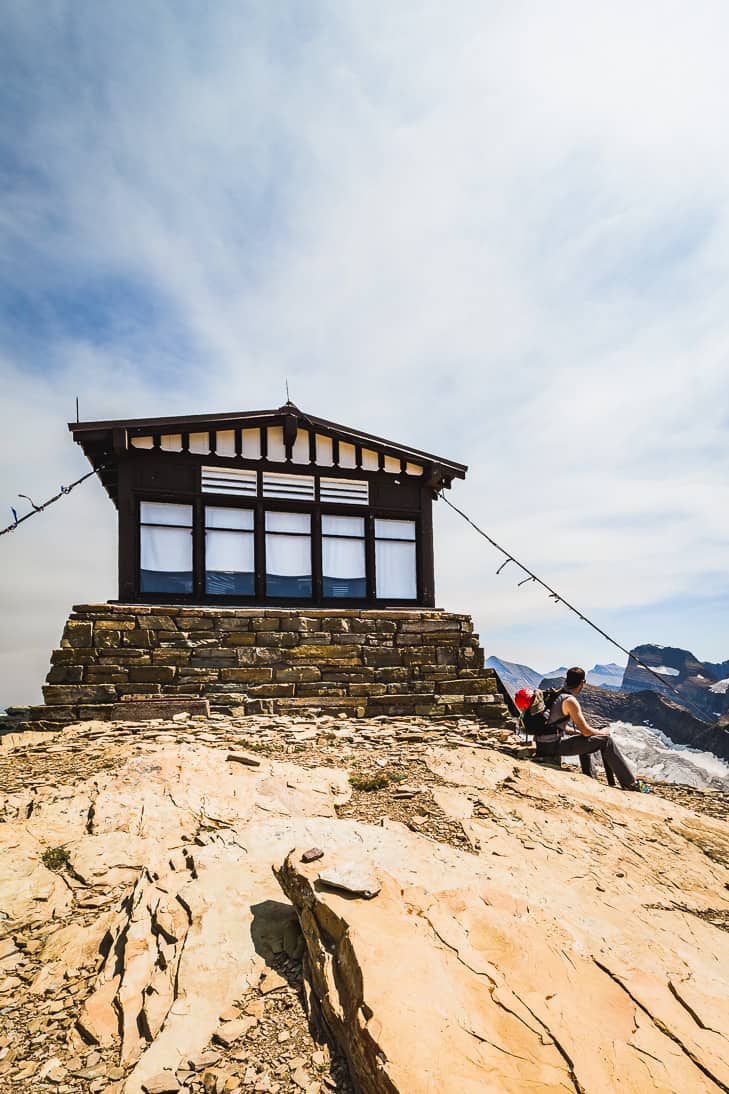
[287, 507]
[396, 539]
[358, 539]
[260, 506]
[220, 597]
[140, 524]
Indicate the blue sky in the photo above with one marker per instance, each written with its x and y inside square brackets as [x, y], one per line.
[496, 231]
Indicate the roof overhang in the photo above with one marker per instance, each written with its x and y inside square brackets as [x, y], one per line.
[106, 442]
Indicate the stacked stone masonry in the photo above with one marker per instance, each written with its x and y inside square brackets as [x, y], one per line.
[365, 663]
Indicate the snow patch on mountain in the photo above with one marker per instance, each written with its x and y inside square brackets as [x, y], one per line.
[653, 755]
[656, 756]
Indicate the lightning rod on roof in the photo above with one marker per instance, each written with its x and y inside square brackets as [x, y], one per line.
[77, 417]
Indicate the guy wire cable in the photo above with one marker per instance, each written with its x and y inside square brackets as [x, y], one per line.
[39, 508]
[555, 596]
[558, 599]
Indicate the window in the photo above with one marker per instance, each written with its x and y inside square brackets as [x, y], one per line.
[343, 556]
[288, 554]
[396, 577]
[229, 552]
[165, 534]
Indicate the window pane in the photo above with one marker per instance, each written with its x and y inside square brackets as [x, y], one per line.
[288, 557]
[395, 529]
[288, 522]
[223, 517]
[166, 559]
[229, 563]
[395, 569]
[163, 512]
[342, 526]
[343, 565]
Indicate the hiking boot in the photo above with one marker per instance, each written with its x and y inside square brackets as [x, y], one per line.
[638, 787]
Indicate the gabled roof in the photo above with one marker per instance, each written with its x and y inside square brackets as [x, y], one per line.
[104, 442]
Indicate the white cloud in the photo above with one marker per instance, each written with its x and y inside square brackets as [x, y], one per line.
[499, 233]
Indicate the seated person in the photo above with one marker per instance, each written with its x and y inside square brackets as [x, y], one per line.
[586, 742]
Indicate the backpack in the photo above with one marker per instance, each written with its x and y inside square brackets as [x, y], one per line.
[535, 719]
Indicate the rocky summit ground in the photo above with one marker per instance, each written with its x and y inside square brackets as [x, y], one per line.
[313, 905]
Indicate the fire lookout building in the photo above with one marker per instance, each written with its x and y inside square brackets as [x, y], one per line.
[272, 507]
[270, 562]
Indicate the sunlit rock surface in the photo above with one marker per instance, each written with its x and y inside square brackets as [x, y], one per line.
[520, 927]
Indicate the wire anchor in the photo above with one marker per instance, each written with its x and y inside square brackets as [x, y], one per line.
[39, 508]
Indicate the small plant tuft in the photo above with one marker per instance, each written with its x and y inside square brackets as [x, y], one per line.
[377, 781]
[264, 747]
[55, 858]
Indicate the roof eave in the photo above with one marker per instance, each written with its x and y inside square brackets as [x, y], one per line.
[450, 468]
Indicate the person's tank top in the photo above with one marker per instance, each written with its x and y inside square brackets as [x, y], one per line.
[557, 719]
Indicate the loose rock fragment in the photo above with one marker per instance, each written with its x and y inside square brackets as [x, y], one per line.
[245, 758]
[352, 878]
[404, 792]
[312, 855]
[272, 981]
[164, 1082]
[98, 1021]
[301, 1078]
[230, 1032]
[201, 1060]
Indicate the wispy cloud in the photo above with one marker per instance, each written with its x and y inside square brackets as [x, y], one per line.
[496, 232]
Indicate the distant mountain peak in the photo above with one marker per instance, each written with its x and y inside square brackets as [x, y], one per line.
[685, 678]
[514, 676]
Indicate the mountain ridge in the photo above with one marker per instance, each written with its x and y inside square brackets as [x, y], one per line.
[514, 675]
[699, 683]
[659, 707]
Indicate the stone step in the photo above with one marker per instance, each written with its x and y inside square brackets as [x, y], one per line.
[485, 707]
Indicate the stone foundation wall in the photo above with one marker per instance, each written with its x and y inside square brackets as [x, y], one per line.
[256, 660]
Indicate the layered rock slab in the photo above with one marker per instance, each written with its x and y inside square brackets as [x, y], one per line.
[176, 844]
[409, 1013]
[554, 960]
[572, 930]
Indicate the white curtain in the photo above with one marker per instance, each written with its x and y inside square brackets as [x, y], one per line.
[343, 557]
[342, 526]
[395, 568]
[164, 512]
[395, 529]
[288, 522]
[166, 550]
[288, 556]
[395, 560]
[229, 552]
[223, 516]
